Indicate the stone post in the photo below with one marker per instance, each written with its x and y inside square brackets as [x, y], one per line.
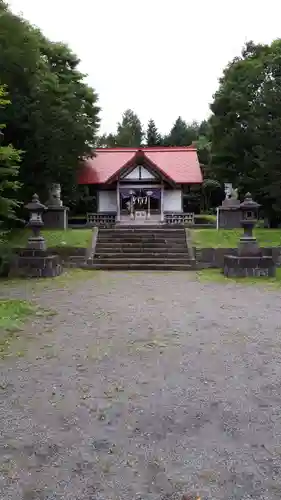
[56, 216]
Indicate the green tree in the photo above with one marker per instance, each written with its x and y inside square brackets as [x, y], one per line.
[182, 134]
[211, 192]
[9, 168]
[106, 141]
[129, 130]
[246, 126]
[153, 137]
[54, 116]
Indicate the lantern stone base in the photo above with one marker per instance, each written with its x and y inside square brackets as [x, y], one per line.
[56, 217]
[31, 263]
[36, 243]
[252, 266]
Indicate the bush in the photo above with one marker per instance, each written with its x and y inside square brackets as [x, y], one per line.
[6, 255]
[205, 219]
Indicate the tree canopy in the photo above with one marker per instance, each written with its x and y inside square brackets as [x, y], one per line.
[182, 134]
[54, 114]
[246, 125]
[9, 169]
[129, 130]
[153, 137]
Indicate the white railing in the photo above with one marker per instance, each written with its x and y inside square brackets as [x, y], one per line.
[101, 219]
[179, 218]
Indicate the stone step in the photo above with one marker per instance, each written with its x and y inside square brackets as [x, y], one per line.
[142, 260]
[136, 227]
[141, 231]
[140, 254]
[136, 249]
[142, 242]
[141, 237]
[140, 248]
[143, 267]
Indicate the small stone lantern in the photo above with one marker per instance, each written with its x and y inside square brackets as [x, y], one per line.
[36, 209]
[250, 260]
[248, 243]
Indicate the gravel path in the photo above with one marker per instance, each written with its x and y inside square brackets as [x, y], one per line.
[145, 386]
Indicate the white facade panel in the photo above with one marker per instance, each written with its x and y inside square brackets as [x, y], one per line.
[145, 174]
[139, 173]
[107, 201]
[134, 175]
[173, 201]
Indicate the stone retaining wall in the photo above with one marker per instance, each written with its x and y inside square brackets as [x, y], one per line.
[214, 257]
[68, 256]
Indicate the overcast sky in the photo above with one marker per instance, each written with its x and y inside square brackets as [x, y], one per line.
[161, 58]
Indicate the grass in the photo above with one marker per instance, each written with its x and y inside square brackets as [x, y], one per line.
[66, 279]
[228, 238]
[55, 238]
[13, 313]
[207, 217]
[211, 275]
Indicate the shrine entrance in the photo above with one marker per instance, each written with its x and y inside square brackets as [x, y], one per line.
[140, 203]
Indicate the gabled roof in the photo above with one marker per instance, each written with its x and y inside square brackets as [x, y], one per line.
[179, 164]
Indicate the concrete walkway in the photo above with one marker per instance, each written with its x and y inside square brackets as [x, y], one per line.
[145, 386]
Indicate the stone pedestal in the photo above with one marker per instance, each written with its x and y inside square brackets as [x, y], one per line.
[242, 267]
[31, 263]
[36, 243]
[229, 214]
[249, 261]
[140, 215]
[56, 217]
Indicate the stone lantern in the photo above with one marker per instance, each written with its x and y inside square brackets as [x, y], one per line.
[36, 261]
[248, 243]
[249, 259]
[36, 209]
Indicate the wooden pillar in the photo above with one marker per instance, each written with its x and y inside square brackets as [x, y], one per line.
[148, 194]
[118, 201]
[162, 202]
[131, 205]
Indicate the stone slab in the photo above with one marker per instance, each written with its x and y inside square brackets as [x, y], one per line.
[229, 217]
[56, 218]
[35, 264]
[236, 266]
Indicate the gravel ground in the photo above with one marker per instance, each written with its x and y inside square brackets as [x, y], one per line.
[145, 386]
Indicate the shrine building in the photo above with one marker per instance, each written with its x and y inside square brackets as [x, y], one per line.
[141, 185]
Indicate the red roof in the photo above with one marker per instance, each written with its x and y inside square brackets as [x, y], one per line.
[180, 164]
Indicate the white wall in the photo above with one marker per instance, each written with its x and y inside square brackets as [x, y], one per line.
[145, 174]
[133, 175]
[173, 200]
[137, 172]
[107, 201]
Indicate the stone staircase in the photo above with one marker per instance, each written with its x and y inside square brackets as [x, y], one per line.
[142, 248]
